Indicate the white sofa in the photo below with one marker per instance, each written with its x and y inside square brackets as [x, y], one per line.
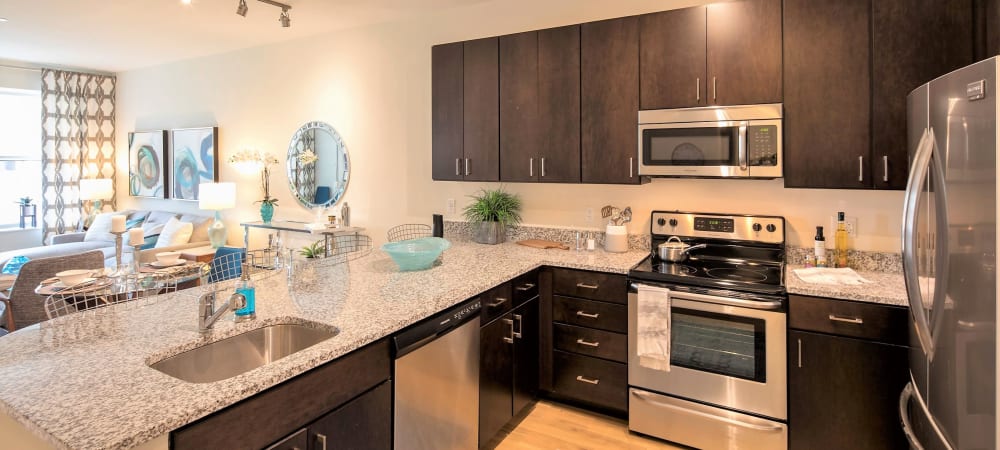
[153, 221]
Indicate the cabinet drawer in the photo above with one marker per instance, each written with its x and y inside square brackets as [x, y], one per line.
[591, 380]
[496, 302]
[870, 321]
[591, 285]
[590, 342]
[588, 313]
[524, 287]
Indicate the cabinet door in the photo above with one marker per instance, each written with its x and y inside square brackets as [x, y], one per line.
[481, 115]
[914, 42]
[744, 52]
[496, 358]
[672, 59]
[844, 393]
[446, 111]
[525, 355]
[363, 423]
[827, 90]
[609, 65]
[519, 107]
[559, 104]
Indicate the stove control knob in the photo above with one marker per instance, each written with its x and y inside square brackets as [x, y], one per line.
[756, 227]
[673, 222]
[661, 221]
[771, 228]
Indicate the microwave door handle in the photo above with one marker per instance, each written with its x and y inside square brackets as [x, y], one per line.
[742, 146]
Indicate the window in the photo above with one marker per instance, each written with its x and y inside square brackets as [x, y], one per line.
[20, 152]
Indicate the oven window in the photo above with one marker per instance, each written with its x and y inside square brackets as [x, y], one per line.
[718, 343]
[710, 146]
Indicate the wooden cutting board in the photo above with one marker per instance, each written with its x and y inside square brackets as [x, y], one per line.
[538, 243]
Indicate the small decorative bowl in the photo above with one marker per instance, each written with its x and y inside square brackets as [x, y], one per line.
[73, 277]
[416, 254]
[167, 258]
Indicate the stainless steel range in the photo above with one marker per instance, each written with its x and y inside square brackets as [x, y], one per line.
[725, 387]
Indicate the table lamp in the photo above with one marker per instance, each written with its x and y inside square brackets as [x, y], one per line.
[96, 190]
[217, 196]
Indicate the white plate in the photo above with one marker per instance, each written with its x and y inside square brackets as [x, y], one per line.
[60, 285]
[159, 265]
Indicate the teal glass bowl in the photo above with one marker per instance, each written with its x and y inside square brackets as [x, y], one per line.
[416, 254]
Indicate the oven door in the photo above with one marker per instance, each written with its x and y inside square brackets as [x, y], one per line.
[694, 149]
[724, 352]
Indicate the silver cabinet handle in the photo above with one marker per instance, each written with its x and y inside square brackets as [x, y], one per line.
[697, 89]
[861, 168]
[520, 326]
[583, 379]
[885, 168]
[854, 320]
[589, 316]
[509, 340]
[531, 167]
[525, 287]
[715, 89]
[543, 167]
[800, 352]
[630, 167]
[467, 166]
[588, 344]
[499, 301]
[587, 286]
[458, 167]
[322, 441]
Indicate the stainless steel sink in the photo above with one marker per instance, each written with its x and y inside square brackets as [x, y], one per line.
[241, 353]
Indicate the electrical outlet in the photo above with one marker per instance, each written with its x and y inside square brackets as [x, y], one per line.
[589, 215]
[451, 206]
[850, 222]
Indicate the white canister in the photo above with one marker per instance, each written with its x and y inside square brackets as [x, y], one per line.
[616, 239]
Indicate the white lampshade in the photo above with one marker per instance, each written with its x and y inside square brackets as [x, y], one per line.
[217, 196]
[96, 189]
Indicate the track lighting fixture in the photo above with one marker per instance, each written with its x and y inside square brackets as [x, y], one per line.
[284, 18]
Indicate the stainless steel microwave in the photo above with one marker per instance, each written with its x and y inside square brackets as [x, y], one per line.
[711, 142]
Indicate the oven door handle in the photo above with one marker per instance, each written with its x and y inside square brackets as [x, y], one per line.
[766, 428]
[738, 302]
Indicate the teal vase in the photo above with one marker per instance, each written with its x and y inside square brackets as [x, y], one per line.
[266, 212]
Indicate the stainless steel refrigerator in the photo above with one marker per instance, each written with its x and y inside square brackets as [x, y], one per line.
[950, 261]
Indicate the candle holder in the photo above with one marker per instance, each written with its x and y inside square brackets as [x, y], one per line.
[118, 251]
[135, 259]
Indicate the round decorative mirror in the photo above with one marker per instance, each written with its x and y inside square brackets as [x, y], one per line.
[318, 166]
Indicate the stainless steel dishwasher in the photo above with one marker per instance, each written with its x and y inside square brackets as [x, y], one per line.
[437, 381]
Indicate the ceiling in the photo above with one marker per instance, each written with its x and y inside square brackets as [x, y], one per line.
[114, 36]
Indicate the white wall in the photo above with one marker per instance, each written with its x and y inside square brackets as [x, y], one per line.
[373, 85]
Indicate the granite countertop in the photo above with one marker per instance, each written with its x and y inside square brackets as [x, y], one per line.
[85, 383]
[886, 288]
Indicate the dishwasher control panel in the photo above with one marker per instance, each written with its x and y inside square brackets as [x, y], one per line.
[460, 313]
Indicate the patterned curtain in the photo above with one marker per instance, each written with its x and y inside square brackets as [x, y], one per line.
[78, 141]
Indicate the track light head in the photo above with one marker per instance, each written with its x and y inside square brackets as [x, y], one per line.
[242, 9]
[284, 19]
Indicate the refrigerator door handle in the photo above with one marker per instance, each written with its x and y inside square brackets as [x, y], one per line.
[941, 266]
[904, 417]
[911, 202]
[911, 394]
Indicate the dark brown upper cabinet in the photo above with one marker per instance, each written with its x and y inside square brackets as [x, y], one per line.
[609, 103]
[720, 54]
[446, 111]
[540, 106]
[481, 100]
[845, 112]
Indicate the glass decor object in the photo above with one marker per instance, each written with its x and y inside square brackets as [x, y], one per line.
[416, 254]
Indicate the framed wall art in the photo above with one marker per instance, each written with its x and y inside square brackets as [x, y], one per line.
[194, 159]
[147, 165]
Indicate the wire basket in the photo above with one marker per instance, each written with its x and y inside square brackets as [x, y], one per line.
[342, 248]
[408, 231]
[122, 291]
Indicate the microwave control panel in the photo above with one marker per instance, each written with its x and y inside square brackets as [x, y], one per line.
[762, 145]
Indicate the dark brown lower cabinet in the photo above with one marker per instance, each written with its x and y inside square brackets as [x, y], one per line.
[364, 423]
[508, 369]
[843, 392]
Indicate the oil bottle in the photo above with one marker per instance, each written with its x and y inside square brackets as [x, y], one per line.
[840, 241]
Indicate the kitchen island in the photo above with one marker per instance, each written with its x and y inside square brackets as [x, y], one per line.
[86, 383]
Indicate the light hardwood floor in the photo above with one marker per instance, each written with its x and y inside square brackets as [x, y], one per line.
[554, 426]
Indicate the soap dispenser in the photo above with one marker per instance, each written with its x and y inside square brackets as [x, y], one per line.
[246, 288]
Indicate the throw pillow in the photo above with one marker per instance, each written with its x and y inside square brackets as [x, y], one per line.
[13, 267]
[100, 229]
[149, 242]
[134, 223]
[174, 232]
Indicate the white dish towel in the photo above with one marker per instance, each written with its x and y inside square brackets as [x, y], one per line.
[653, 327]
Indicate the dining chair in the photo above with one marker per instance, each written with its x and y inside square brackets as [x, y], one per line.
[227, 264]
[24, 306]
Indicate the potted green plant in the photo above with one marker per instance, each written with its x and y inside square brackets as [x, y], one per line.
[490, 213]
[314, 250]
